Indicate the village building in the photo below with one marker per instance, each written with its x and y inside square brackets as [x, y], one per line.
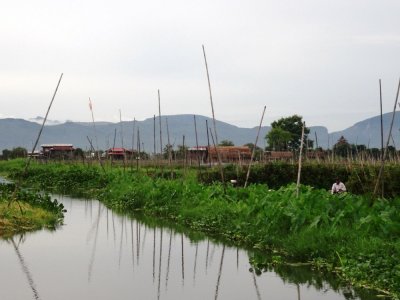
[119, 153]
[278, 155]
[196, 153]
[57, 151]
[227, 154]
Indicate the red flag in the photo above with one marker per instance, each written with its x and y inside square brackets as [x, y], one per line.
[90, 104]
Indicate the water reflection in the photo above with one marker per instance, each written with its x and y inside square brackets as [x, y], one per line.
[145, 259]
[25, 268]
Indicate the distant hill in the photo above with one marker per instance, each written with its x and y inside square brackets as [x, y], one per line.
[19, 132]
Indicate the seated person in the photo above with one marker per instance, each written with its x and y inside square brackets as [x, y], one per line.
[338, 187]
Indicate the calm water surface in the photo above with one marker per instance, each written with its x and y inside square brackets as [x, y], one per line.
[98, 255]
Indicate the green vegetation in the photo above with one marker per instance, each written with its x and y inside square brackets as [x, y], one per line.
[348, 235]
[22, 210]
[359, 178]
[18, 152]
[285, 134]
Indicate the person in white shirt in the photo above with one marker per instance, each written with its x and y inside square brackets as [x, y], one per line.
[338, 187]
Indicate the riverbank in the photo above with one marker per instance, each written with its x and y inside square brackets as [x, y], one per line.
[345, 235]
[23, 211]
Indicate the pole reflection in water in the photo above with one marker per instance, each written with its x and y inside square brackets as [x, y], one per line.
[154, 253]
[133, 251]
[255, 285]
[107, 224]
[183, 262]
[195, 263]
[112, 218]
[120, 245]
[208, 250]
[159, 265]
[94, 244]
[137, 242]
[219, 272]
[169, 259]
[80, 262]
[25, 269]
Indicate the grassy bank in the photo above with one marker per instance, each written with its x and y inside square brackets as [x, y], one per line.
[22, 211]
[345, 234]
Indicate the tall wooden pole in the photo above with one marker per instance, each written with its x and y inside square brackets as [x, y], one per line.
[133, 141]
[184, 156]
[138, 150]
[380, 98]
[154, 135]
[254, 148]
[213, 115]
[208, 144]
[300, 158]
[388, 140]
[113, 149]
[169, 148]
[95, 135]
[122, 138]
[159, 114]
[197, 142]
[41, 128]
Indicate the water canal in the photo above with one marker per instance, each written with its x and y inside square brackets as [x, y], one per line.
[98, 254]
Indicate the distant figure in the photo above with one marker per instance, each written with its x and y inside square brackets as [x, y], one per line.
[338, 187]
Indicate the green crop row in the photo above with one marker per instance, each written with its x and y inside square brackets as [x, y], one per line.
[359, 179]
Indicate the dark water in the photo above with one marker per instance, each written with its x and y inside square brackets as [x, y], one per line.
[100, 255]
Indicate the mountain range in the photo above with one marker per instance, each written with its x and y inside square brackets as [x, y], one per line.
[23, 133]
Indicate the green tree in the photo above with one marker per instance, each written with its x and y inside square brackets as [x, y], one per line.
[292, 125]
[78, 153]
[226, 143]
[251, 146]
[6, 154]
[278, 139]
[181, 152]
[342, 147]
[168, 148]
[18, 152]
[258, 151]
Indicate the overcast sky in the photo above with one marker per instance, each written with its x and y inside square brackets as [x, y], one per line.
[321, 59]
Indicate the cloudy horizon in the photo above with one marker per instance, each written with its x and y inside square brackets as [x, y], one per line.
[319, 59]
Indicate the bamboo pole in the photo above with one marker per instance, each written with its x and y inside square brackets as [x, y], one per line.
[213, 115]
[208, 144]
[300, 157]
[380, 98]
[197, 142]
[154, 135]
[184, 156]
[115, 136]
[133, 142]
[159, 114]
[95, 135]
[122, 138]
[169, 150]
[387, 142]
[41, 128]
[138, 150]
[254, 148]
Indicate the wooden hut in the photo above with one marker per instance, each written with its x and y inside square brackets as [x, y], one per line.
[57, 150]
